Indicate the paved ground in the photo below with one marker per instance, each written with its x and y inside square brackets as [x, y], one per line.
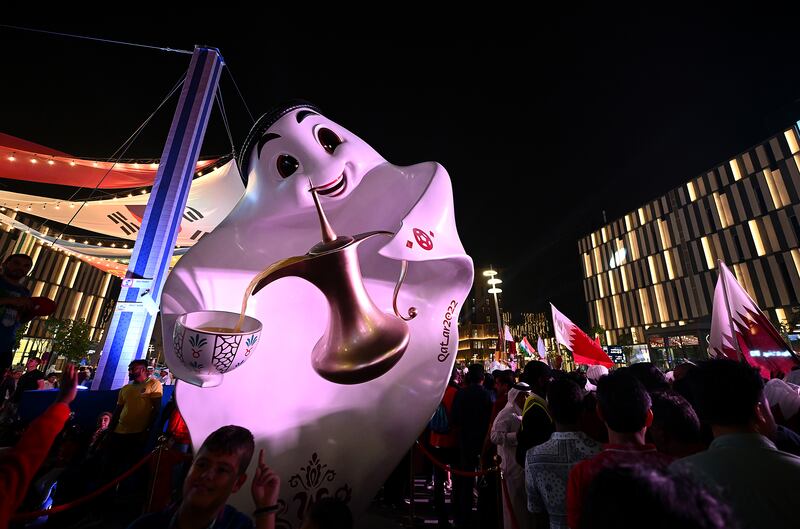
[383, 516]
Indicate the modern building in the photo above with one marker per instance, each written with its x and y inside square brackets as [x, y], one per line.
[79, 290]
[478, 330]
[649, 276]
[532, 325]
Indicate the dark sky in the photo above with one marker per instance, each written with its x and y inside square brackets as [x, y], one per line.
[578, 114]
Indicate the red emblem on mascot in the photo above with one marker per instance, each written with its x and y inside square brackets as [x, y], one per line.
[423, 239]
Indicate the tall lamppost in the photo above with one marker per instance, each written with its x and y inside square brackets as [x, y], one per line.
[494, 290]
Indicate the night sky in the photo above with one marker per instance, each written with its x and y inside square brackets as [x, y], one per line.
[579, 114]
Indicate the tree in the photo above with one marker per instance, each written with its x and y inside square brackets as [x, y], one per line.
[70, 338]
[598, 331]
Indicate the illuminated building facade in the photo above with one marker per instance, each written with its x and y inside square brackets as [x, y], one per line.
[79, 290]
[649, 276]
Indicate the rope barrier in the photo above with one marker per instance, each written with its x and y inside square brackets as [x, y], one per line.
[25, 516]
[450, 469]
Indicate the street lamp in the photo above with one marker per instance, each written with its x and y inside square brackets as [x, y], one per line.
[494, 290]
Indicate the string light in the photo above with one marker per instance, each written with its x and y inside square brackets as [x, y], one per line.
[72, 163]
[153, 165]
[33, 160]
[50, 162]
[72, 205]
[144, 191]
[94, 164]
[11, 157]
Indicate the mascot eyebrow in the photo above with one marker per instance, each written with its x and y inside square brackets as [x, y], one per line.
[303, 114]
[300, 116]
[264, 139]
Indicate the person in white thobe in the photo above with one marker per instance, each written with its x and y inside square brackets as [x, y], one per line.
[504, 435]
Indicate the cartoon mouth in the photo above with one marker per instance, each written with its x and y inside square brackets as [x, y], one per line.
[335, 188]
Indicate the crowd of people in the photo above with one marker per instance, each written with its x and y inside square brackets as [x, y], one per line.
[53, 449]
[714, 446]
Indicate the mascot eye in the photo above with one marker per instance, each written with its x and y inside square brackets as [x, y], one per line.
[287, 165]
[328, 139]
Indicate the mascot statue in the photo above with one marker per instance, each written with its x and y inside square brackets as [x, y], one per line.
[353, 276]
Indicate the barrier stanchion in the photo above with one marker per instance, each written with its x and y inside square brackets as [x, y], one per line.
[25, 516]
[450, 469]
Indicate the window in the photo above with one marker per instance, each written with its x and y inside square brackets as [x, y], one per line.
[618, 312]
[76, 265]
[737, 173]
[707, 252]
[773, 189]
[756, 234]
[62, 267]
[601, 318]
[780, 185]
[661, 301]
[791, 139]
[624, 272]
[668, 259]
[653, 271]
[598, 266]
[718, 206]
[633, 245]
[725, 210]
[663, 230]
[644, 302]
[692, 192]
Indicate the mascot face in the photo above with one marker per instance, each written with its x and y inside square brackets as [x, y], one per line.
[304, 148]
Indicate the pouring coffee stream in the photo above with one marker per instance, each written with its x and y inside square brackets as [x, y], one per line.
[361, 342]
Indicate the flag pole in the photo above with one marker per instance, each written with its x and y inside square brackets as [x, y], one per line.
[728, 307]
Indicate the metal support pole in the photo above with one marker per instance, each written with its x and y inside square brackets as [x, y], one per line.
[137, 306]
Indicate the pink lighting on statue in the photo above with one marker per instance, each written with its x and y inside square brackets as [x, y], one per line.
[361, 430]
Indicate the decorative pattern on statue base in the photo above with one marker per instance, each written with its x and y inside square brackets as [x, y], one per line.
[311, 480]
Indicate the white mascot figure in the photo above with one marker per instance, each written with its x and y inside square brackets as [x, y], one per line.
[329, 424]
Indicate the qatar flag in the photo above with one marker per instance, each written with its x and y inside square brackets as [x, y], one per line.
[584, 349]
[740, 331]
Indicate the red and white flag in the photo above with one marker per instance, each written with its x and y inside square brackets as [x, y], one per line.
[739, 330]
[584, 349]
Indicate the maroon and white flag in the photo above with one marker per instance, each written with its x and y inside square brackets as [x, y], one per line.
[740, 331]
[584, 349]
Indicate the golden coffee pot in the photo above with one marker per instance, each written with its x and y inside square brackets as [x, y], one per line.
[361, 342]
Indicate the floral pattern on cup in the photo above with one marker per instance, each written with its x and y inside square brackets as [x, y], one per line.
[209, 353]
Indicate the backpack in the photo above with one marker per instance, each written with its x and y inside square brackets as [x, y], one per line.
[439, 423]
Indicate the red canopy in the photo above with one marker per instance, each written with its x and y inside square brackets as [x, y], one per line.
[28, 161]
